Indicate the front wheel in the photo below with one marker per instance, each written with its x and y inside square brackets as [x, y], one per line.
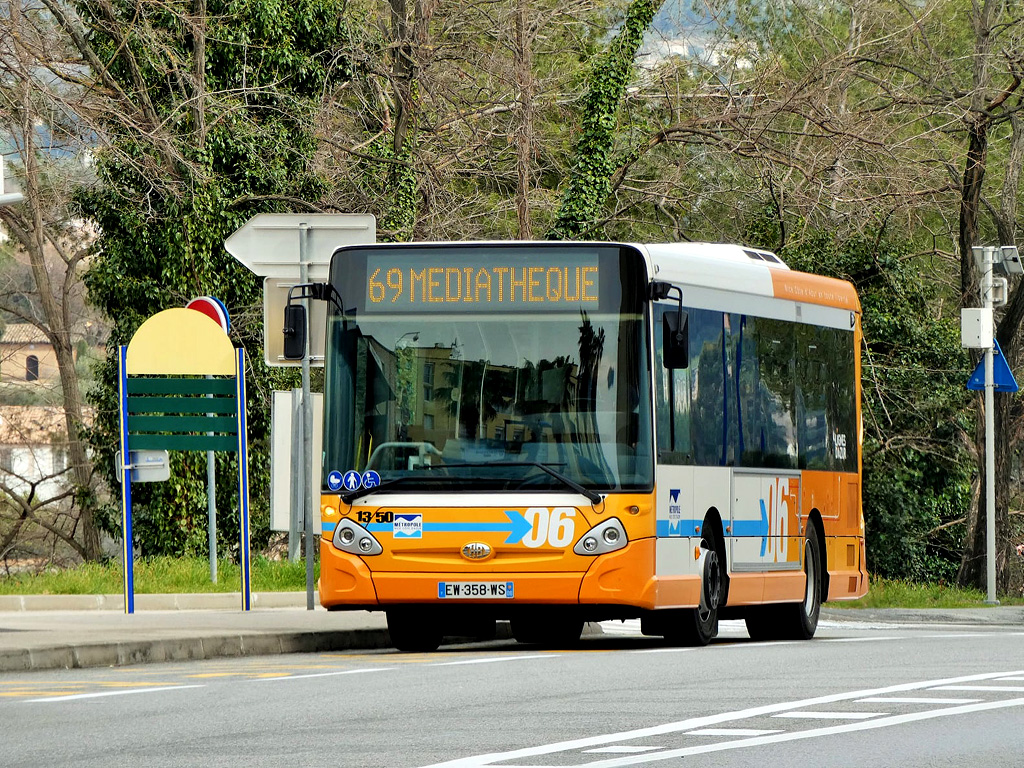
[793, 621]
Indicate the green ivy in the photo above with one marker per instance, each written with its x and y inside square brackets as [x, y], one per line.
[593, 165]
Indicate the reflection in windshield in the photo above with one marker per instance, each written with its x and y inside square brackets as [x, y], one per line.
[444, 395]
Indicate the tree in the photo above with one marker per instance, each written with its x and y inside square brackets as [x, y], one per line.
[208, 118]
[38, 111]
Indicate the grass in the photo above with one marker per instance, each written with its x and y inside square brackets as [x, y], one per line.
[159, 575]
[896, 593]
[170, 575]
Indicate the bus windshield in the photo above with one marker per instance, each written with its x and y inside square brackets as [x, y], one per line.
[464, 368]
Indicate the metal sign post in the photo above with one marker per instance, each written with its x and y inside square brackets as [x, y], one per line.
[978, 331]
[297, 247]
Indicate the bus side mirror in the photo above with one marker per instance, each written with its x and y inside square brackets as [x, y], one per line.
[294, 332]
[676, 334]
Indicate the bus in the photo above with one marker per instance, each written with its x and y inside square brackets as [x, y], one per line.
[554, 433]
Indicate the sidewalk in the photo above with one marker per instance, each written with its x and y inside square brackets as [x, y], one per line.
[69, 631]
[65, 631]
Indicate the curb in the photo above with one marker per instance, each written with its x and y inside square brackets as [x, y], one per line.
[188, 649]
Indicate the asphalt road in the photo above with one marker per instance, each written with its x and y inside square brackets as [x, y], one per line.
[857, 695]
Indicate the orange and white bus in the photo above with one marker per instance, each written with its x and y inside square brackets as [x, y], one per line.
[552, 433]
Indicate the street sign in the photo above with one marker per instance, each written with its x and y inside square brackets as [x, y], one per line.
[1002, 376]
[145, 466]
[268, 243]
[213, 309]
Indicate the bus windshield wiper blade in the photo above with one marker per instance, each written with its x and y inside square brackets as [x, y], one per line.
[349, 496]
[593, 496]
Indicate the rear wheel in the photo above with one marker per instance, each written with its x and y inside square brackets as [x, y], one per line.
[413, 632]
[793, 621]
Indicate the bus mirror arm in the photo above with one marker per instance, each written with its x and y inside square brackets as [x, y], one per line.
[676, 331]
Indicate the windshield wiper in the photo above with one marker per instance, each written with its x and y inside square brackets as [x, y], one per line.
[593, 496]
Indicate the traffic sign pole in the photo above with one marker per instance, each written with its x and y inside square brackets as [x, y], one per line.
[307, 424]
[990, 441]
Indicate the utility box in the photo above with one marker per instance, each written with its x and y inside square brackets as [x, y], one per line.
[976, 328]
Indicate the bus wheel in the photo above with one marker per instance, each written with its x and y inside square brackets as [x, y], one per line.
[547, 630]
[695, 627]
[793, 621]
[413, 631]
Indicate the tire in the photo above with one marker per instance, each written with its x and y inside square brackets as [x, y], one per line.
[793, 621]
[695, 626]
[413, 632]
[547, 630]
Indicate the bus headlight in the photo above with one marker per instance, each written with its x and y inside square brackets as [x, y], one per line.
[353, 538]
[607, 536]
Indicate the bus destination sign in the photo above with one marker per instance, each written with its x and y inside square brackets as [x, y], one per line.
[537, 281]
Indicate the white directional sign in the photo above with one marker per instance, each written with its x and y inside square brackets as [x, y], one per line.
[268, 243]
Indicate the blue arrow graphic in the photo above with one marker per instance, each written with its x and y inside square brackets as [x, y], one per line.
[517, 527]
[754, 528]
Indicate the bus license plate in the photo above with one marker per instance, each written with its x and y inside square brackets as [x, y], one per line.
[479, 590]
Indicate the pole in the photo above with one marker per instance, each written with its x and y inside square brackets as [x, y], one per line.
[211, 505]
[307, 424]
[990, 441]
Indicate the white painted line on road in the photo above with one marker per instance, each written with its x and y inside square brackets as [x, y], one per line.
[1011, 678]
[729, 732]
[622, 749]
[803, 714]
[664, 650]
[705, 721]
[1007, 688]
[858, 639]
[914, 700]
[73, 696]
[495, 659]
[322, 674]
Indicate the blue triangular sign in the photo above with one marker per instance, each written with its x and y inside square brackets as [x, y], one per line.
[1001, 373]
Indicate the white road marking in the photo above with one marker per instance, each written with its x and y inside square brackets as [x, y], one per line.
[1012, 678]
[706, 721]
[1007, 688]
[102, 694]
[914, 700]
[857, 639]
[493, 660]
[323, 674]
[803, 714]
[729, 732]
[622, 749]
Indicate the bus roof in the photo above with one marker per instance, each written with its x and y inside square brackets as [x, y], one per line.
[745, 270]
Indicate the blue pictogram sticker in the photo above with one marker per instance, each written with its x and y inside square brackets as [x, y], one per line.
[370, 479]
[352, 480]
[334, 480]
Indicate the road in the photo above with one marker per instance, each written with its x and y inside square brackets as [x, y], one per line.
[857, 695]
